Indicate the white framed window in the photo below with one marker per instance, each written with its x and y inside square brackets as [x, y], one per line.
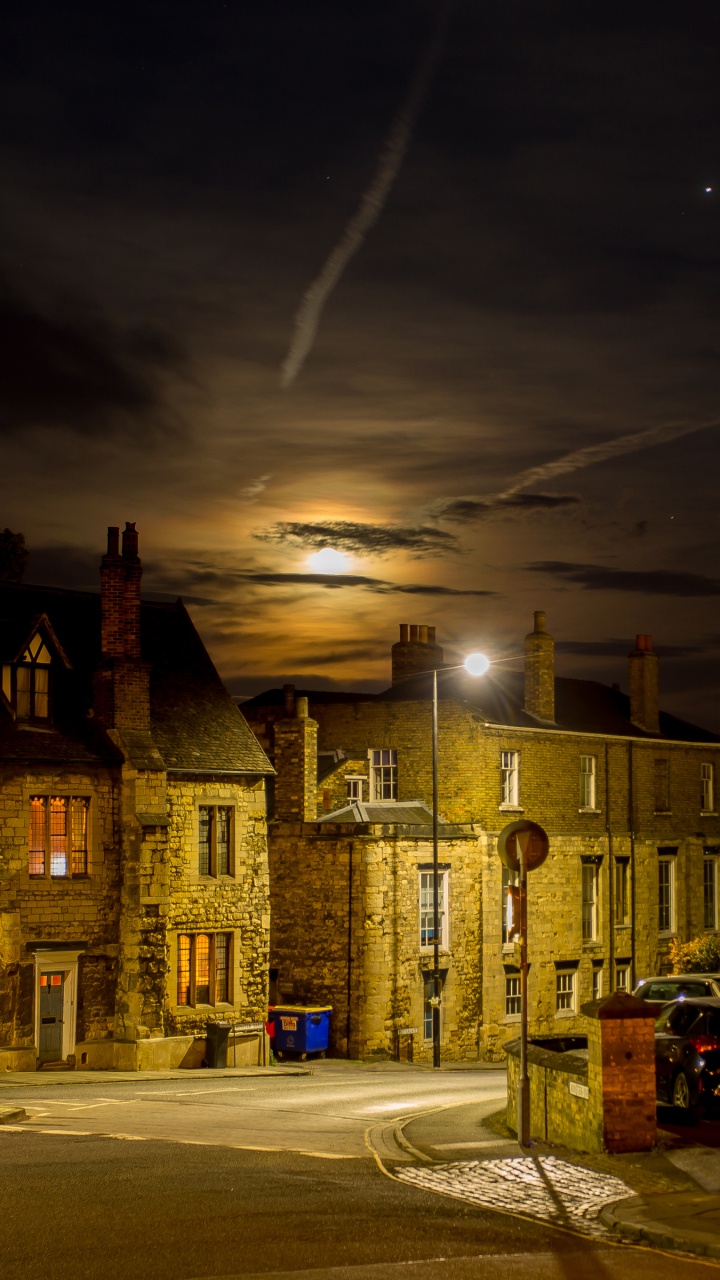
[58, 835]
[661, 782]
[428, 992]
[204, 968]
[622, 977]
[622, 891]
[215, 840]
[565, 988]
[710, 913]
[589, 902]
[597, 983]
[427, 908]
[355, 784]
[383, 774]
[707, 787]
[666, 894]
[588, 782]
[510, 779]
[512, 996]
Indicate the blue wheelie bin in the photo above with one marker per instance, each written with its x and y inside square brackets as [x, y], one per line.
[300, 1031]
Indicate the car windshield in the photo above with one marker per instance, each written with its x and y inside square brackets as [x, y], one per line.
[669, 990]
[678, 1019]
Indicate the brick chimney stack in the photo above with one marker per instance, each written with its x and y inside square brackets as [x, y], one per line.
[296, 764]
[644, 685]
[540, 670]
[122, 681]
[414, 652]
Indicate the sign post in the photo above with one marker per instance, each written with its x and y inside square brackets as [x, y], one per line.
[523, 846]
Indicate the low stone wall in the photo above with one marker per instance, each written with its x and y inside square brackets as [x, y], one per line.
[562, 1109]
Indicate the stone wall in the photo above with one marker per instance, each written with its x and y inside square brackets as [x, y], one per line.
[345, 932]
[561, 1108]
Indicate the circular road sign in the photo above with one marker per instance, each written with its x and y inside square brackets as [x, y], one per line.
[527, 836]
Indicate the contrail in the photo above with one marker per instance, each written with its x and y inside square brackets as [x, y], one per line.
[575, 461]
[371, 205]
[594, 453]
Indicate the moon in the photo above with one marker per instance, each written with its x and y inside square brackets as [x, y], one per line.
[329, 561]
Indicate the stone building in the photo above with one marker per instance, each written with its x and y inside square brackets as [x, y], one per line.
[133, 844]
[627, 794]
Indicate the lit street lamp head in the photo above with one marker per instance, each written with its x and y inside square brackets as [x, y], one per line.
[476, 664]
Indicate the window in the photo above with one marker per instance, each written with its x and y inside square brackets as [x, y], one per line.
[589, 902]
[214, 840]
[622, 891]
[428, 992]
[383, 775]
[662, 786]
[513, 1002]
[707, 788]
[597, 984]
[203, 968]
[666, 895]
[426, 907]
[588, 782]
[355, 787]
[622, 973]
[565, 991]
[710, 891]
[510, 779]
[27, 685]
[58, 842]
[509, 881]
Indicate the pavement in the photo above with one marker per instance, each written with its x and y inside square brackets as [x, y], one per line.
[668, 1198]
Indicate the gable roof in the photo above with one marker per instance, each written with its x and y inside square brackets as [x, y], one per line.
[194, 720]
[581, 706]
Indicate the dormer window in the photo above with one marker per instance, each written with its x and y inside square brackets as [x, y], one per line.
[26, 684]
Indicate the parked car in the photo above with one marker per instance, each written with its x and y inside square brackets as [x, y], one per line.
[673, 985]
[687, 1053]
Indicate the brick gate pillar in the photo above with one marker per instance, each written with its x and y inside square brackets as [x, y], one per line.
[621, 1069]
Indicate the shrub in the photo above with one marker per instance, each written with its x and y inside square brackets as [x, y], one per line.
[699, 955]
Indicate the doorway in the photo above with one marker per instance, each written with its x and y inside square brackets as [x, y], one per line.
[52, 1001]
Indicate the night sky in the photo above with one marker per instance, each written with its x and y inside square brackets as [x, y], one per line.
[511, 400]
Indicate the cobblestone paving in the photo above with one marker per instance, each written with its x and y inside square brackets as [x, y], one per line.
[541, 1187]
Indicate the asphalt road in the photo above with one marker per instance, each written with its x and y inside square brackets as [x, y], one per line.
[203, 1203]
[91, 1208]
[323, 1114]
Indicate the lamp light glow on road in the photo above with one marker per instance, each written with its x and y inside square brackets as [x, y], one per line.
[476, 664]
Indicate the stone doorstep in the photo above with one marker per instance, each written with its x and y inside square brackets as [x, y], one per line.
[680, 1221]
[12, 1115]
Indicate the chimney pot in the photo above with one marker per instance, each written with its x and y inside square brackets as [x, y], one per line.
[413, 633]
[540, 670]
[113, 543]
[129, 541]
[289, 700]
[644, 685]
[431, 635]
[302, 709]
[423, 634]
[404, 633]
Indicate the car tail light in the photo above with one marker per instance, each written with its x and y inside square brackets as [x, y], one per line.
[705, 1044]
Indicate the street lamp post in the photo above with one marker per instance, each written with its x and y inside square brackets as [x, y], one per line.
[475, 665]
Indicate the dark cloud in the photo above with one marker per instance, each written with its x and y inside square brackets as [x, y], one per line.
[333, 581]
[640, 529]
[659, 582]
[66, 368]
[465, 510]
[621, 648]
[363, 539]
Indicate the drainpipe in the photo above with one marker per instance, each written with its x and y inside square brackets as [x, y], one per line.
[611, 868]
[631, 824]
[349, 945]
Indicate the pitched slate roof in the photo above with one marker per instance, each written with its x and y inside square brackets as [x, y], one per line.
[404, 813]
[195, 723]
[581, 706]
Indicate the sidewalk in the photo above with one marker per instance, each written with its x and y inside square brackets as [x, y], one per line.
[467, 1152]
[41, 1079]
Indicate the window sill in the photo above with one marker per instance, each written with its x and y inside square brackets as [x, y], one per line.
[592, 944]
[565, 1013]
[512, 1019]
[510, 808]
[622, 927]
[667, 935]
[595, 811]
[708, 813]
[662, 813]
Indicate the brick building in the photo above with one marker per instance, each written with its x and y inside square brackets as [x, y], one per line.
[627, 794]
[133, 849]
